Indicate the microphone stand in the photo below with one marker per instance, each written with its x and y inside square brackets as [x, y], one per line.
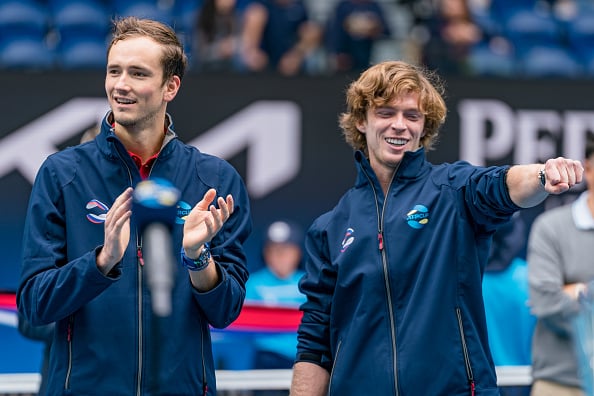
[159, 266]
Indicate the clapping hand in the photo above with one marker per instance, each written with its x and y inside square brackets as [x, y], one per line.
[204, 221]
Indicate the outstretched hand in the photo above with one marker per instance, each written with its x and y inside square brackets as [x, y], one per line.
[562, 174]
[204, 221]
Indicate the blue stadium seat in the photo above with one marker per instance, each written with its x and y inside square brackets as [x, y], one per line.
[486, 61]
[588, 65]
[23, 17]
[151, 9]
[185, 13]
[80, 16]
[24, 25]
[550, 61]
[82, 27]
[504, 9]
[26, 52]
[527, 28]
[580, 35]
[84, 52]
[486, 19]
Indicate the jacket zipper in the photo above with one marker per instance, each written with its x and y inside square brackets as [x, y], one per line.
[390, 310]
[381, 245]
[140, 271]
[333, 366]
[69, 330]
[140, 316]
[469, 374]
[140, 262]
[140, 267]
[204, 380]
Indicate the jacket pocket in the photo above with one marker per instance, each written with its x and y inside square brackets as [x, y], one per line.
[468, 366]
[334, 364]
[69, 334]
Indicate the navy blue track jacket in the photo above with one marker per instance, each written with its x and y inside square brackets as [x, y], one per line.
[105, 340]
[393, 284]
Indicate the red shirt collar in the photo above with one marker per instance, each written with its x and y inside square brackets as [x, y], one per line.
[145, 169]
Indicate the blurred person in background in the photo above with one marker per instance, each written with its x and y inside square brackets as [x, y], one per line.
[91, 133]
[352, 31]
[505, 291]
[560, 266]
[278, 35]
[276, 284]
[451, 34]
[216, 41]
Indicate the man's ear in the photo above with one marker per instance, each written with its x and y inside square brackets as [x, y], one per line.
[361, 127]
[172, 88]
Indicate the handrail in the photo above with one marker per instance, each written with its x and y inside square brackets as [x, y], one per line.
[252, 379]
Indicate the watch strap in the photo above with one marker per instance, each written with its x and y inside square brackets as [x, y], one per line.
[198, 264]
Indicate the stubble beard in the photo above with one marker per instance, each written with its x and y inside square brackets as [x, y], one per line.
[135, 122]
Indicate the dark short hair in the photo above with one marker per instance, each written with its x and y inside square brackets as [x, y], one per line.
[174, 59]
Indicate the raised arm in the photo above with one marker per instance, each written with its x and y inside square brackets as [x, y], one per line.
[524, 181]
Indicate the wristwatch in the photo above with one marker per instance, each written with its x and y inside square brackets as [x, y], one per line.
[542, 177]
[198, 264]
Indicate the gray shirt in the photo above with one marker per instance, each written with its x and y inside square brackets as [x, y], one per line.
[560, 252]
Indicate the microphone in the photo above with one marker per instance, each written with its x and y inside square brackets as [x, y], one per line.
[154, 208]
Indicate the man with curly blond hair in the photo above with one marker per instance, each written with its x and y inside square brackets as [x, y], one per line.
[393, 272]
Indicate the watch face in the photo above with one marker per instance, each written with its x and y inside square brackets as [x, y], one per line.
[542, 177]
[204, 257]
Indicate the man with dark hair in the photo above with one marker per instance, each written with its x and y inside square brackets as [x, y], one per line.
[83, 259]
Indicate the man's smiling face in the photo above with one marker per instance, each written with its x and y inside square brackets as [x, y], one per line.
[391, 130]
[134, 81]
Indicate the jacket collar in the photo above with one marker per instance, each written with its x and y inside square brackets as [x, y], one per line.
[107, 138]
[582, 216]
[412, 166]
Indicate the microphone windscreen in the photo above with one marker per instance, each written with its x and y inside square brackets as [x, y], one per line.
[154, 201]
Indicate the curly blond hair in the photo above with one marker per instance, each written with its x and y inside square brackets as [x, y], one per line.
[381, 84]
